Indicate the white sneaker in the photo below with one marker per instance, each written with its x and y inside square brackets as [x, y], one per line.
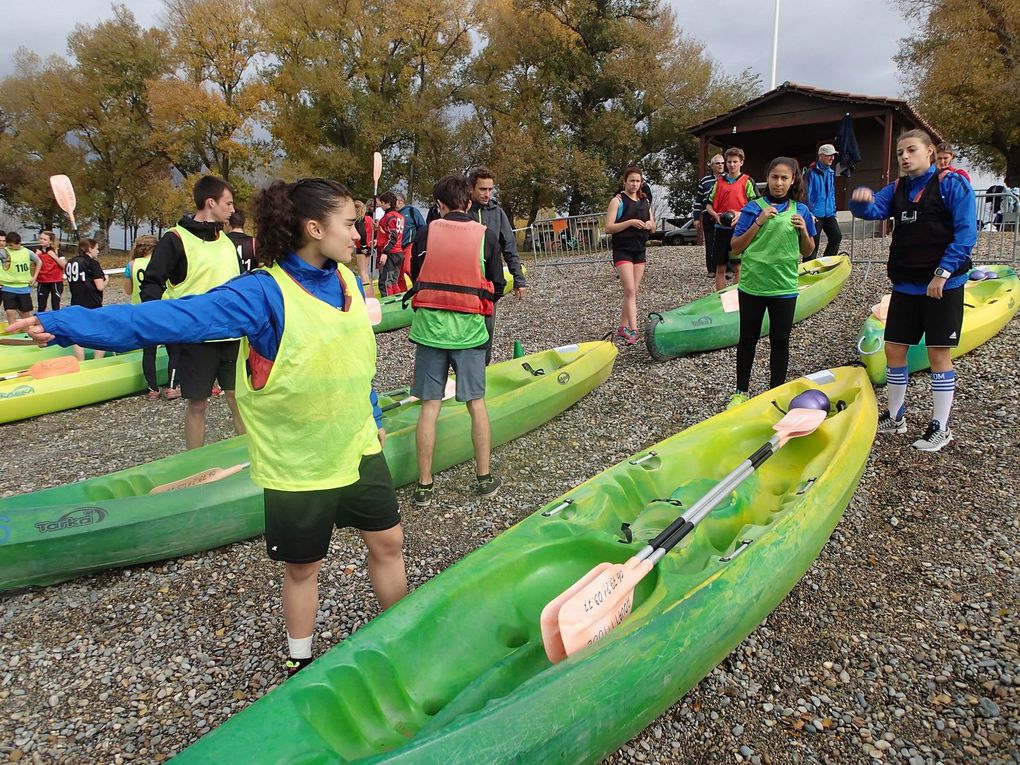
[886, 424]
[934, 438]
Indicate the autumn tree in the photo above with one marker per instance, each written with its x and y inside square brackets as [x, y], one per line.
[963, 70]
[205, 112]
[355, 77]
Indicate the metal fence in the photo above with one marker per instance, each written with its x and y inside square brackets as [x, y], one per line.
[571, 240]
[998, 218]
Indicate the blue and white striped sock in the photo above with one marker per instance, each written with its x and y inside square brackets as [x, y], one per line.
[896, 382]
[943, 386]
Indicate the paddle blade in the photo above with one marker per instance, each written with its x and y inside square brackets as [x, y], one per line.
[17, 341]
[63, 192]
[550, 619]
[374, 308]
[881, 309]
[40, 370]
[206, 476]
[601, 605]
[376, 167]
[730, 301]
[797, 423]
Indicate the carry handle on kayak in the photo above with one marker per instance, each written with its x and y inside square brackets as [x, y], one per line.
[602, 599]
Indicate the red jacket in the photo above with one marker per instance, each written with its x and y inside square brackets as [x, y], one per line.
[50, 272]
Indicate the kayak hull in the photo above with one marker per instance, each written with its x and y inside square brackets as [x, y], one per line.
[56, 534]
[488, 693]
[98, 380]
[703, 325]
[988, 307]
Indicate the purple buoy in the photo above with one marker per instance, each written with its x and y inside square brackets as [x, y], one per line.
[811, 399]
[978, 275]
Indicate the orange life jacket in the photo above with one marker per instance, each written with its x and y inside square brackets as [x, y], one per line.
[730, 196]
[451, 277]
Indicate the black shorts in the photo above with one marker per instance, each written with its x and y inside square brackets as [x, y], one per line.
[15, 302]
[939, 321]
[721, 246]
[299, 524]
[202, 364]
[630, 256]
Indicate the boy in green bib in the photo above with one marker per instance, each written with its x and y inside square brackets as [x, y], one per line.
[772, 234]
[19, 267]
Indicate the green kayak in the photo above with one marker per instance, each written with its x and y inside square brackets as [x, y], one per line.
[56, 534]
[988, 306]
[704, 325]
[98, 380]
[457, 673]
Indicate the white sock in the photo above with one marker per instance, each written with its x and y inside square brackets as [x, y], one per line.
[300, 648]
[943, 386]
[896, 385]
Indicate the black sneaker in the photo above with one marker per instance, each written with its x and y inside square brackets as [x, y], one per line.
[886, 424]
[423, 494]
[487, 486]
[934, 438]
[293, 666]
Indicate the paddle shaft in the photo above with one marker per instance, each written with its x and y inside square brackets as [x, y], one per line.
[666, 539]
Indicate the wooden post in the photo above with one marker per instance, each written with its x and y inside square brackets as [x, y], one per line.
[702, 164]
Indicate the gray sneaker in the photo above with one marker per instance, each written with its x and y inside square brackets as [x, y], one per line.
[886, 424]
[934, 438]
[423, 494]
[488, 486]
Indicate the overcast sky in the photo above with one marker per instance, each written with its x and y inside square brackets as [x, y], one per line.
[846, 45]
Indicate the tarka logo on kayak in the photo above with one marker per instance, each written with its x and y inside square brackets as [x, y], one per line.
[563, 379]
[704, 321]
[21, 390]
[80, 516]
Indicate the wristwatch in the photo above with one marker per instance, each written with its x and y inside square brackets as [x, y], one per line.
[943, 273]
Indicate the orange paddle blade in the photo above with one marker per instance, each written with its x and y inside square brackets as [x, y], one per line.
[376, 166]
[601, 605]
[881, 309]
[798, 422]
[40, 370]
[550, 619]
[374, 308]
[206, 476]
[730, 301]
[63, 192]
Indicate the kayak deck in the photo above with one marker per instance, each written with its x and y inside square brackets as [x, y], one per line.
[487, 692]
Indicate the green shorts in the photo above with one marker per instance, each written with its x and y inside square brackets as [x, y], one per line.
[299, 524]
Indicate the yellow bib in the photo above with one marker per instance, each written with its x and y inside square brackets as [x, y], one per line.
[19, 270]
[210, 264]
[138, 266]
[311, 423]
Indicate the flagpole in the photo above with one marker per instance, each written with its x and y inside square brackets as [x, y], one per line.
[775, 44]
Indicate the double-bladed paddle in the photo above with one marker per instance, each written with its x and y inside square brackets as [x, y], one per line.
[61, 365]
[598, 602]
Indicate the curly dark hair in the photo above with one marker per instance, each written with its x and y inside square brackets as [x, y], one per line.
[281, 210]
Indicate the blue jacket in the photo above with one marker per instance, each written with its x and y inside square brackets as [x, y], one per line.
[958, 197]
[250, 305]
[821, 190]
[413, 223]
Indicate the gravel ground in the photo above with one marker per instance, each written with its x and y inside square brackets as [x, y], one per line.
[899, 645]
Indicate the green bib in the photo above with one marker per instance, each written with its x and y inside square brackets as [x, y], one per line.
[311, 423]
[19, 268]
[770, 262]
[210, 264]
[138, 266]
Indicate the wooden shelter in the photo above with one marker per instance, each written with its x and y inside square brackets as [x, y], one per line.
[794, 120]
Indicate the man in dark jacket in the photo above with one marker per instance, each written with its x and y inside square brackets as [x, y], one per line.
[487, 211]
[703, 221]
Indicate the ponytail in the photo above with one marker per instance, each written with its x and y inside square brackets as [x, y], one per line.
[281, 210]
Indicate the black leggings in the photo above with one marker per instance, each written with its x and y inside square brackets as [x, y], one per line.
[52, 290]
[752, 313]
[149, 367]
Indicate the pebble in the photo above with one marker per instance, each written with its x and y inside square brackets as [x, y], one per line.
[900, 644]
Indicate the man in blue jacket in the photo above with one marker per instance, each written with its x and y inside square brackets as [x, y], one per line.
[821, 198]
